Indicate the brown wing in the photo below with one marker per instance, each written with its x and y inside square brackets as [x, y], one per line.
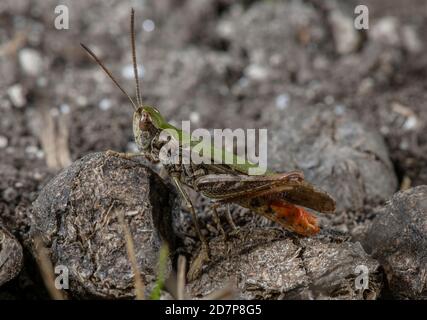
[285, 186]
[227, 187]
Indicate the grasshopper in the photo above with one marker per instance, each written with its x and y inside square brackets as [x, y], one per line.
[276, 196]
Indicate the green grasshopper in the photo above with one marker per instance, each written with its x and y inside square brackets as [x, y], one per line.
[272, 195]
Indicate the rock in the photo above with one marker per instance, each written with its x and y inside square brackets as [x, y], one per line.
[3, 142]
[391, 32]
[398, 240]
[77, 215]
[336, 152]
[411, 39]
[386, 31]
[260, 264]
[19, 184]
[31, 61]
[346, 36]
[17, 96]
[11, 256]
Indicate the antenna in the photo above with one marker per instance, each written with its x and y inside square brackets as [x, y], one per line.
[135, 66]
[93, 55]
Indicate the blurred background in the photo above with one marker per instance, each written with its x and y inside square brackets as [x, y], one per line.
[221, 64]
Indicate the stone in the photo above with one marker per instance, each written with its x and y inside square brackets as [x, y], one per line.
[31, 61]
[77, 215]
[335, 152]
[11, 256]
[259, 263]
[398, 240]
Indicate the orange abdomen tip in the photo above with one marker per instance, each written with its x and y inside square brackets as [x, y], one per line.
[295, 218]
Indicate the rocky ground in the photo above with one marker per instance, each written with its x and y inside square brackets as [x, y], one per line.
[345, 106]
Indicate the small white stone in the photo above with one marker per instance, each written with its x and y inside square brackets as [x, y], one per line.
[41, 82]
[282, 101]
[81, 101]
[339, 109]
[410, 123]
[127, 71]
[64, 108]
[148, 25]
[19, 185]
[225, 29]
[16, 95]
[386, 31]
[256, 72]
[345, 35]
[31, 62]
[194, 117]
[40, 154]
[243, 82]
[105, 104]
[411, 39]
[3, 142]
[37, 175]
[31, 150]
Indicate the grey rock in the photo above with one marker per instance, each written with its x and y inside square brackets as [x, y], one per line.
[335, 151]
[77, 215]
[398, 240]
[11, 256]
[347, 38]
[17, 96]
[261, 264]
[31, 61]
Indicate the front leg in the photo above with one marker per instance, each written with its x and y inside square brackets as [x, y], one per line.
[204, 255]
[217, 220]
[123, 155]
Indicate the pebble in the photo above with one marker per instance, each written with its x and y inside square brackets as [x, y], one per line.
[411, 40]
[64, 108]
[127, 71]
[3, 142]
[411, 123]
[256, 72]
[31, 61]
[194, 117]
[386, 31]
[105, 104]
[81, 101]
[148, 25]
[16, 95]
[282, 101]
[345, 35]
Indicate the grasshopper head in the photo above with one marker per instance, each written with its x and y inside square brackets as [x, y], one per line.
[147, 121]
[147, 124]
